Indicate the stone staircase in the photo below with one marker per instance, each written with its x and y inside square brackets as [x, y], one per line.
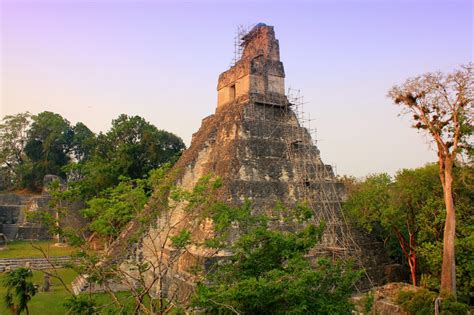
[82, 284]
[34, 263]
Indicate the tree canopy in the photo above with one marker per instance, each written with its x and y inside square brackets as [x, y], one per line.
[269, 273]
[131, 149]
[137, 146]
[13, 138]
[408, 211]
[47, 143]
[48, 147]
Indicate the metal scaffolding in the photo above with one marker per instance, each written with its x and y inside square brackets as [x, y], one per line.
[316, 182]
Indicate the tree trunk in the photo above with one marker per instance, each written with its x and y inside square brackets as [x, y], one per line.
[448, 271]
[412, 264]
[412, 258]
[409, 250]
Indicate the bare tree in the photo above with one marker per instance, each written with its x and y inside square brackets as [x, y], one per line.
[441, 106]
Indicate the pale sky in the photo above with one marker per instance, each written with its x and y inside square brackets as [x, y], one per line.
[93, 60]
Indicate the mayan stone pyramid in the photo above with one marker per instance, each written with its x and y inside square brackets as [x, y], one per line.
[256, 144]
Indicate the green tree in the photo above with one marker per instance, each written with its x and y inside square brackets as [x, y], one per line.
[81, 305]
[269, 273]
[13, 138]
[137, 147]
[430, 238]
[409, 211]
[115, 207]
[131, 148]
[395, 208]
[416, 199]
[20, 290]
[442, 106]
[90, 178]
[48, 147]
[83, 142]
[368, 199]
[28, 151]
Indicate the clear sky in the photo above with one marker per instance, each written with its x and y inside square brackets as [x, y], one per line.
[93, 60]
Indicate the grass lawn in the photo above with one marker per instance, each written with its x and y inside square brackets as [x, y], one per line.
[51, 303]
[45, 302]
[22, 249]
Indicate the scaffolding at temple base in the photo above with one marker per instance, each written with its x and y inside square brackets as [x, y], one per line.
[317, 183]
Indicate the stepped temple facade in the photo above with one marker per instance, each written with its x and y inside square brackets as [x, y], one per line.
[255, 143]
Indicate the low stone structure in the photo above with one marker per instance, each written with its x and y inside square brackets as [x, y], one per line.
[81, 284]
[15, 207]
[35, 263]
[13, 216]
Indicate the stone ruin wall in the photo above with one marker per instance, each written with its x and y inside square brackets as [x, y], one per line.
[13, 216]
[15, 207]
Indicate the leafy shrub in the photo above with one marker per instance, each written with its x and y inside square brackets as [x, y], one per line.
[81, 305]
[421, 302]
[269, 274]
[368, 300]
[450, 306]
